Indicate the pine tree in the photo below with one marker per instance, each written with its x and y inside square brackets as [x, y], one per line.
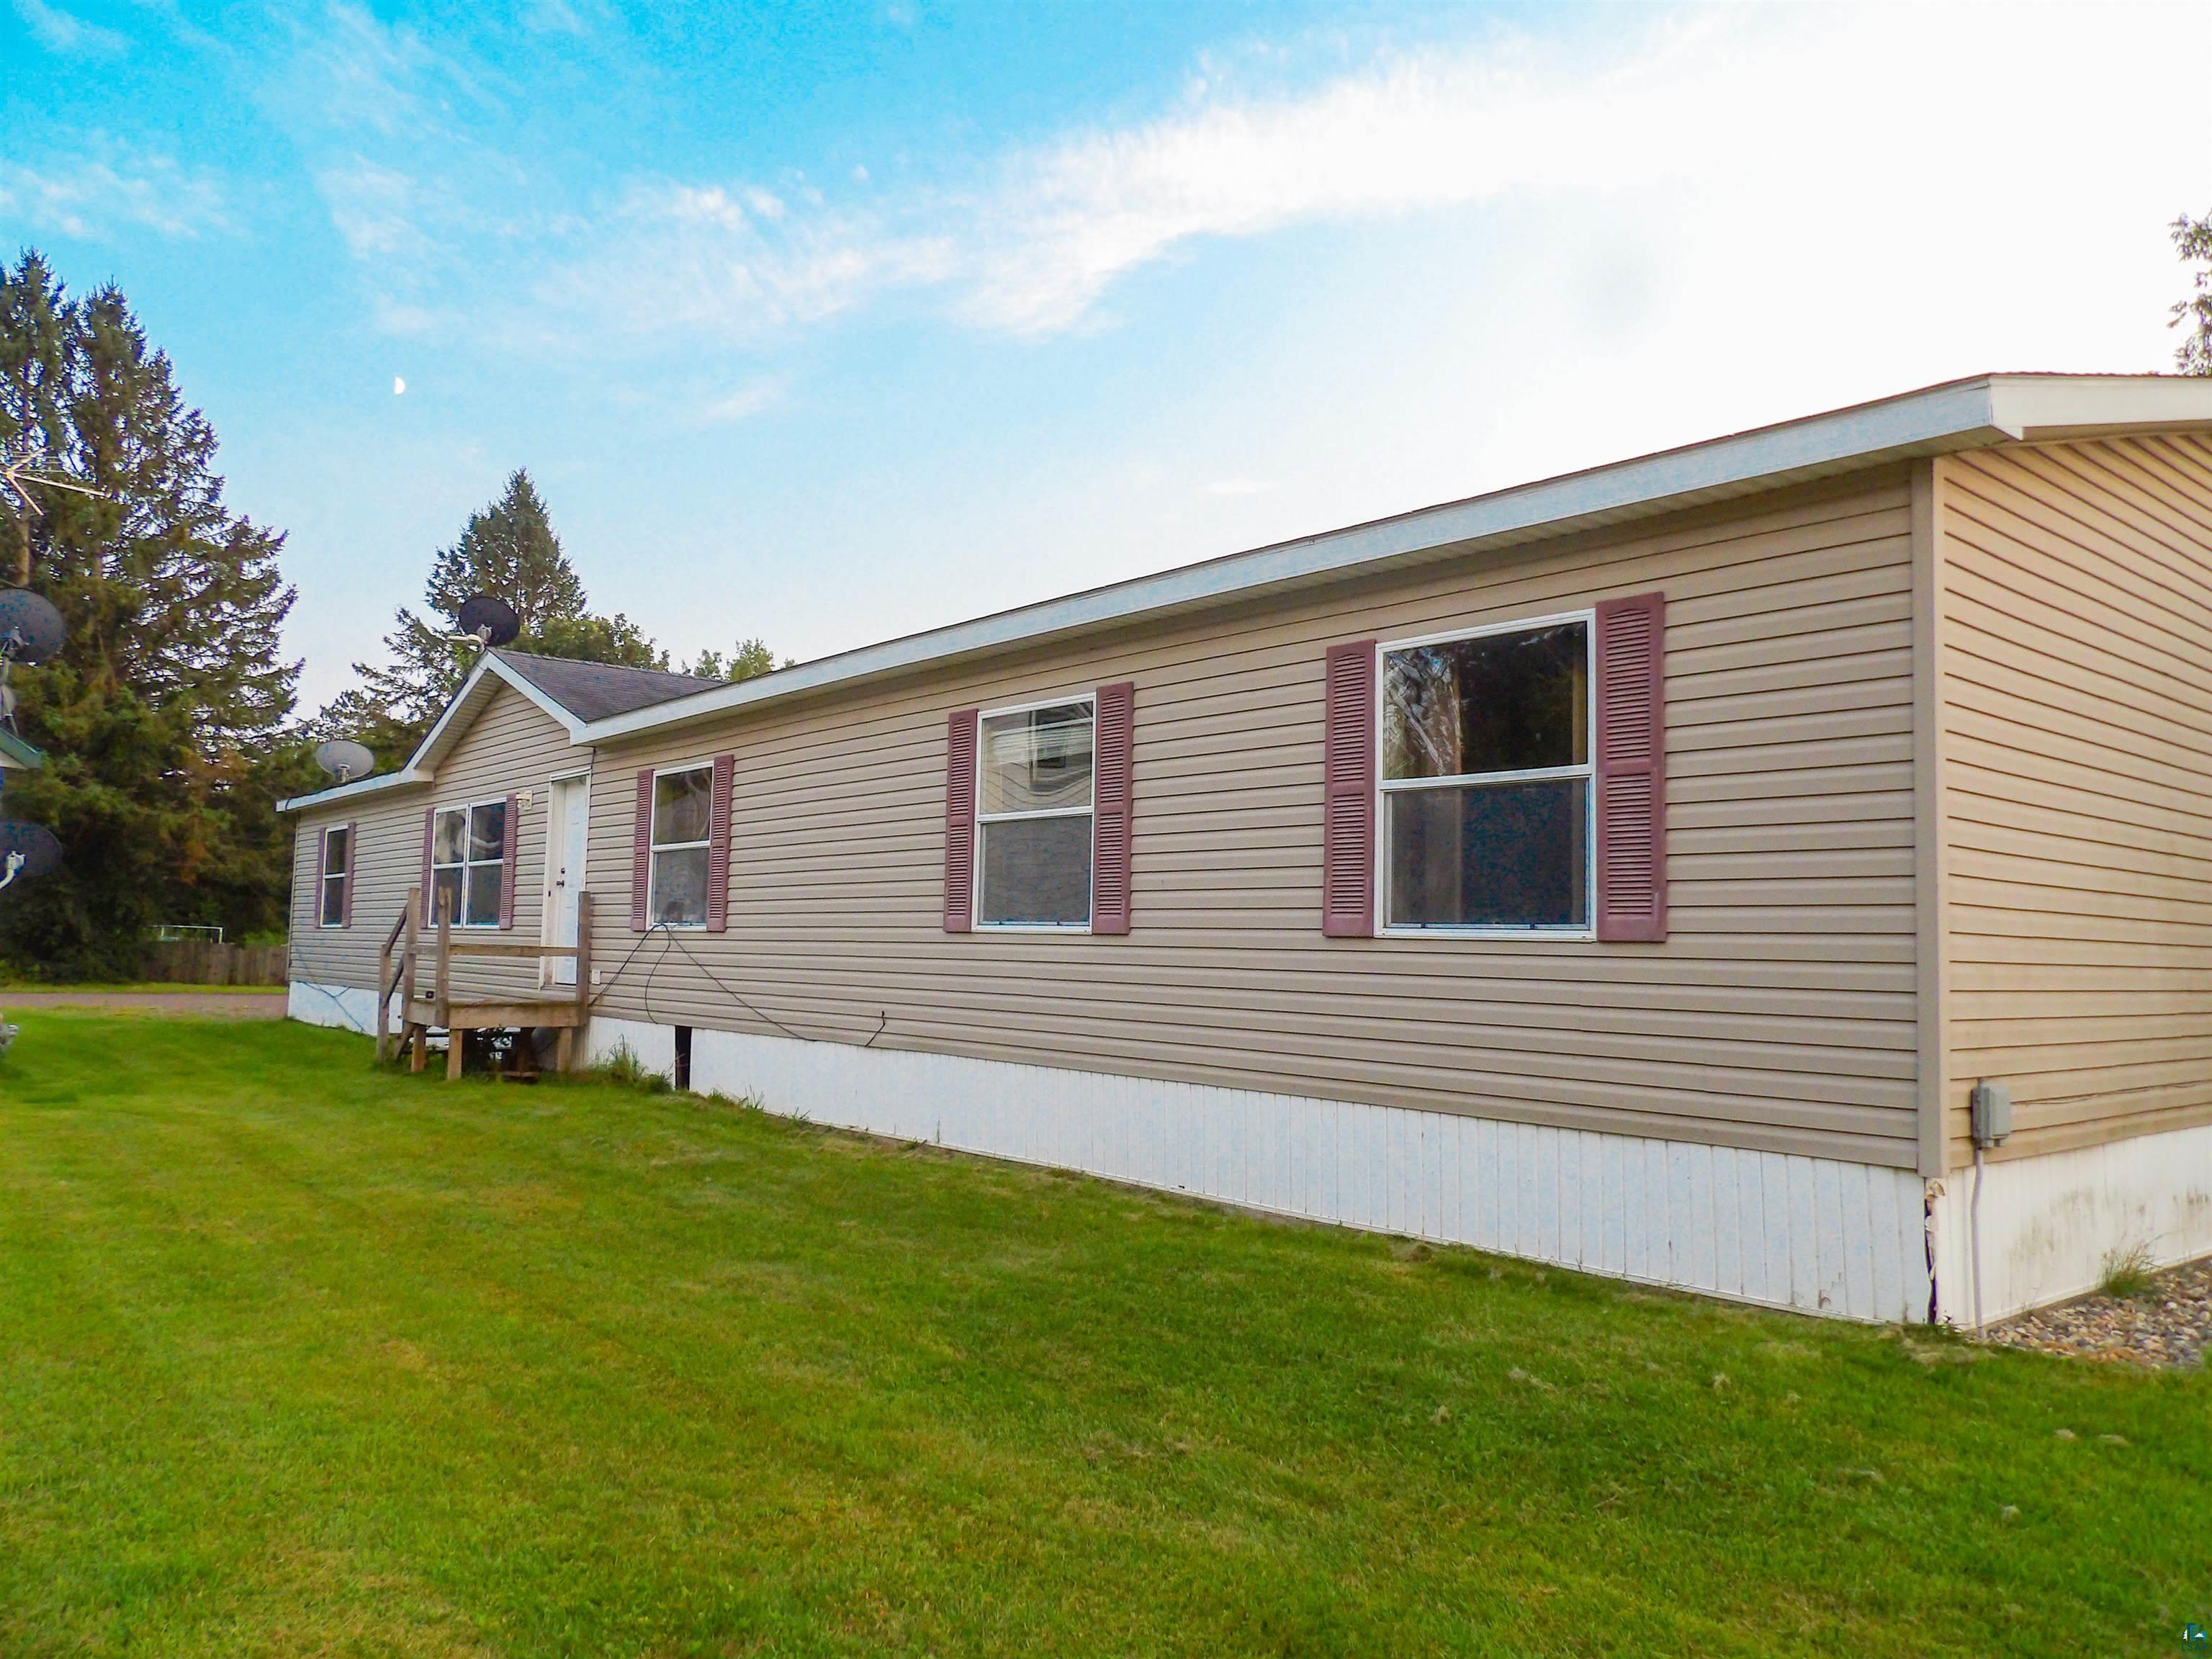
[2192, 240]
[508, 550]
[162, 717]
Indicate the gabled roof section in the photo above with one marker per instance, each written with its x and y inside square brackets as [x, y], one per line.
[16, 755]
[571, 693]
[597, 690]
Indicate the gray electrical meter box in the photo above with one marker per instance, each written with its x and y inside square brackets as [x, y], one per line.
[1990, 1110]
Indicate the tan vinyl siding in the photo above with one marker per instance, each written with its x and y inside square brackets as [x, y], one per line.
[1779, 1014]
[387, 864]
[512, 746]
[2077, 733]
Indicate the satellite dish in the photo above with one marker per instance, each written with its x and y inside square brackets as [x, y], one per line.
[488, 621]
[27, 850]
[31, 629]
[344, 759]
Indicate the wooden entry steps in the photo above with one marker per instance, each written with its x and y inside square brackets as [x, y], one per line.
[564, 1012]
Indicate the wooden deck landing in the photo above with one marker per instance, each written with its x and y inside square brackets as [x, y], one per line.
[563, 1012]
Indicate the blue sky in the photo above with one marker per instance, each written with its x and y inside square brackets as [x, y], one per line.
[829, 324]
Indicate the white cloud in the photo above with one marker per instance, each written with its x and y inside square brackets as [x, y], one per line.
[742, 402]
[732, 266]
[374, 208]
[1778, 114]
[356, 73]
[94, 196]
[58, 30]
[1725, 133]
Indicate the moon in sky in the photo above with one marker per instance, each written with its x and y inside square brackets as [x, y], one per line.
[398, 386]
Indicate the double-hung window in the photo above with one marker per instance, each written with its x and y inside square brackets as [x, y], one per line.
[468, 854]
[338, 870]
[682, 824]
[1033, 816]
[1486, 780]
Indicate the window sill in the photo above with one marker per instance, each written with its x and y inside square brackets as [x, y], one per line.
[1077, 928]
[1564, 935]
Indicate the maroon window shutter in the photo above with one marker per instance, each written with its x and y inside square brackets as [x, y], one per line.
[429, 891]
[353, 863]
[322, 868]
[640, 851]
[1113, 754]
[718, 846]
[960, 821]
[1348, 881]
[512, 820]
[1632, 768]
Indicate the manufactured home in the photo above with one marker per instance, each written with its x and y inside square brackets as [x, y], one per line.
[1640, 869]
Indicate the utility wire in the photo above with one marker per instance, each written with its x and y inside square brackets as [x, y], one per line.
[670, 936]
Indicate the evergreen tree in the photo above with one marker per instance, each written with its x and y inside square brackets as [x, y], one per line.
[162, 717]
[2192, 240]
[508, 550]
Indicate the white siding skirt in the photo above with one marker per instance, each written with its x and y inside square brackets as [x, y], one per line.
[1812, 1234]
[2051, 1224]
[348, 1007]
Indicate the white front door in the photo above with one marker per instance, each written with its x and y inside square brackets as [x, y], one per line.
[566, 824]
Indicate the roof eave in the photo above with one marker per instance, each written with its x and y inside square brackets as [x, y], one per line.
[1960, 415]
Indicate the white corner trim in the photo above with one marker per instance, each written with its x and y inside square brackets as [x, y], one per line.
[1812, 1234]
[2049, 1224]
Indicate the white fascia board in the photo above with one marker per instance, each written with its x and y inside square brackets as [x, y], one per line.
[338, 792]
[1955, 416]
[2042, 407]
[441, 737]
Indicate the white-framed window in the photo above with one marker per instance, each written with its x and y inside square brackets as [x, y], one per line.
[682, 827]
[468, 862]
[338, 870]
[1485, 818]
[1034, 836]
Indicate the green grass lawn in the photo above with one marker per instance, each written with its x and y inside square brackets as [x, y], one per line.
[33, 987]
[301, 1356]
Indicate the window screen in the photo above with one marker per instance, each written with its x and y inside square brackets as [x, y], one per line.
[1487, 781]
[682, 820]
[1034, 817]
[468, 857]
[338, 866]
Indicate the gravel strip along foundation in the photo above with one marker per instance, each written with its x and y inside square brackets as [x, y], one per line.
[2170, 1324]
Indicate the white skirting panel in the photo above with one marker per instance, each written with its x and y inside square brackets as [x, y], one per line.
[1847, 1239]
[2050, 1225]
[349, 1007]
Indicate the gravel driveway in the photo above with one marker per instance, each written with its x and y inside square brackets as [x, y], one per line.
[209, 1004]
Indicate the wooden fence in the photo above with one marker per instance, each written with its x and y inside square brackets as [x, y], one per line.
[205, 962]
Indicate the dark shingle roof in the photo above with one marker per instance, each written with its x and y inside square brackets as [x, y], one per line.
[593, 690]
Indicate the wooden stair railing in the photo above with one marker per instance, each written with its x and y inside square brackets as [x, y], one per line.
[441, 1010]
[388, 978]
